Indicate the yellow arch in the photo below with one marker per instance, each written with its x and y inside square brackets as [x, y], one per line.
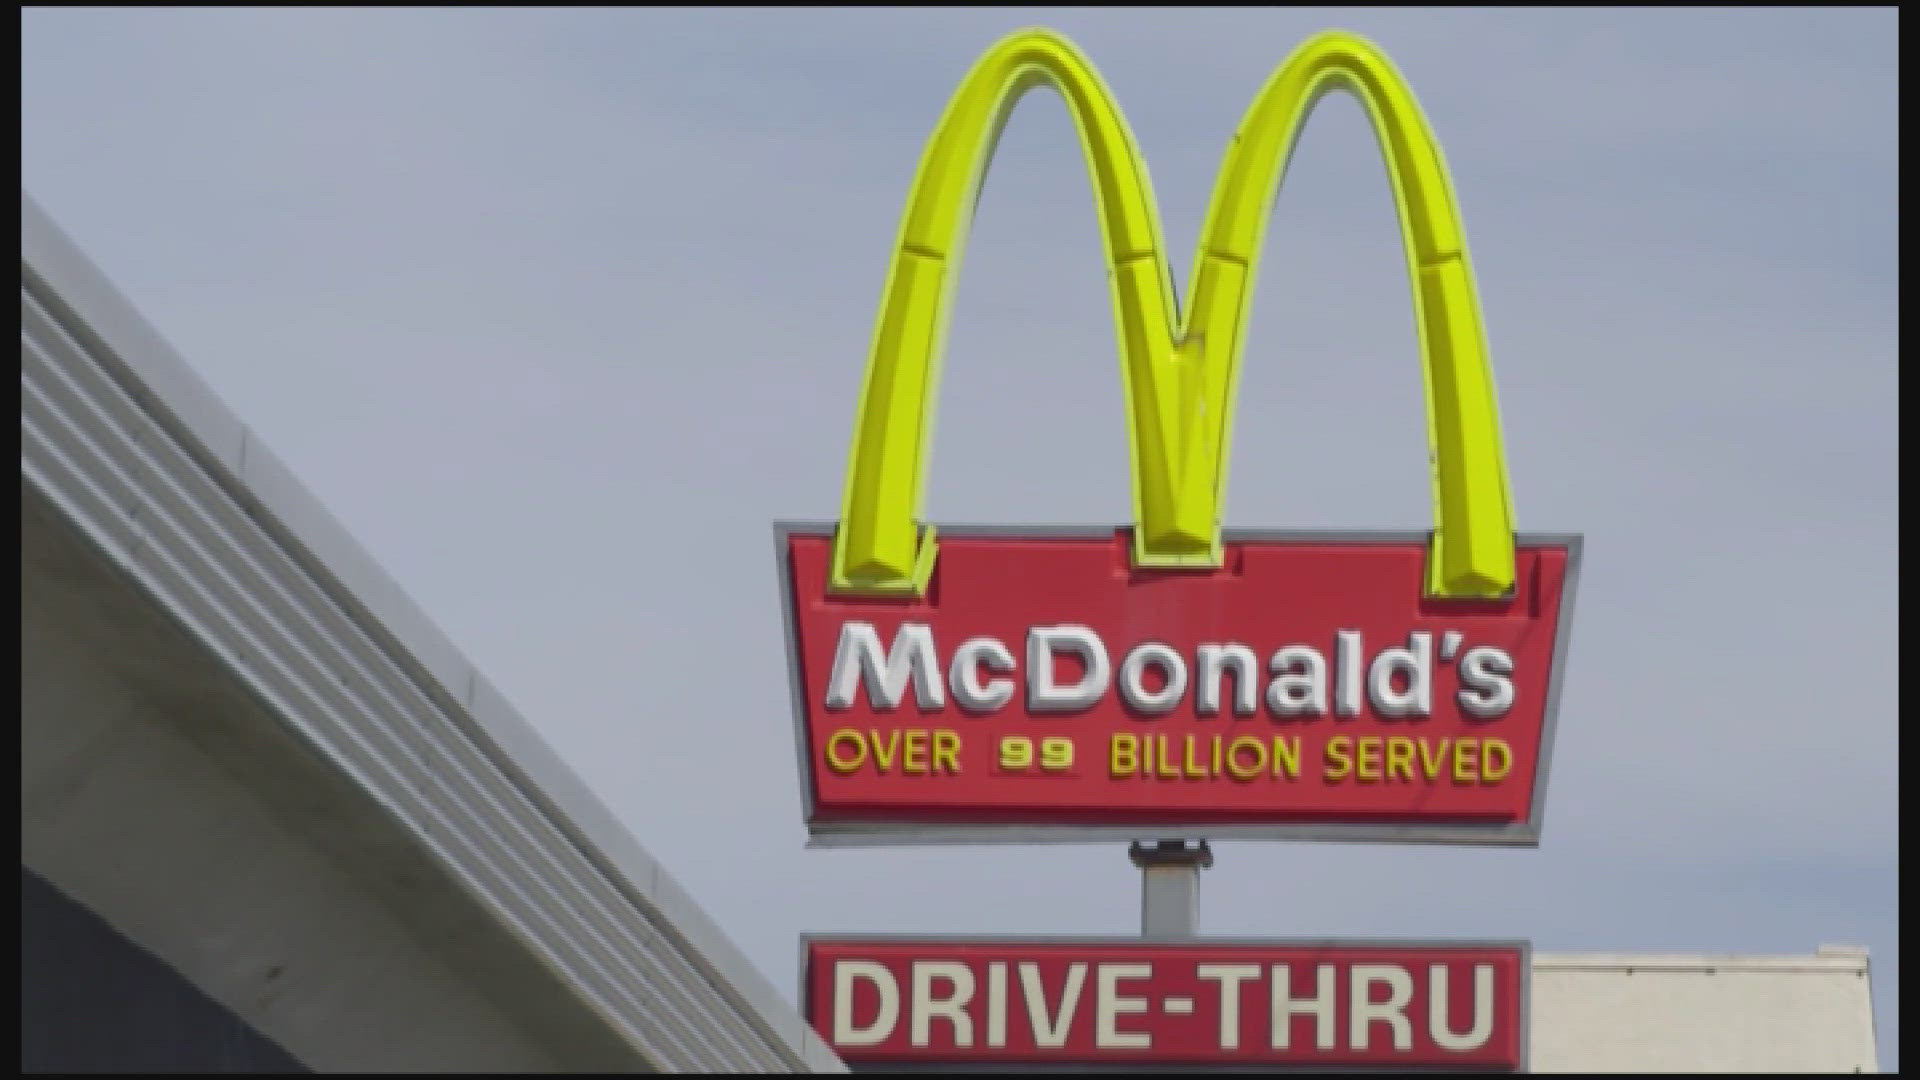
[1178, 370]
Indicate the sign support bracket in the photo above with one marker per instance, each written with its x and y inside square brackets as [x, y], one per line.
[1170, 886]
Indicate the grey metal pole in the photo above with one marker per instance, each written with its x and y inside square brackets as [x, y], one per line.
[1170, 886]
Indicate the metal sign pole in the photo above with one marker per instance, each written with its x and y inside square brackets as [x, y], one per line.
[1170, 886]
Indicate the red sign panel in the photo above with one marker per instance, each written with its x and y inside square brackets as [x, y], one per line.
[1090, 1002]
[1306, 689]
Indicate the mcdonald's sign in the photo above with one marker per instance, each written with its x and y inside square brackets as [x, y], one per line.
[1038, 683]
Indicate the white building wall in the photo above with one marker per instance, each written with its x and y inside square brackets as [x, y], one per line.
[1761, 1014]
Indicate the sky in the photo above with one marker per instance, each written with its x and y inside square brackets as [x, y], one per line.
[558, 310]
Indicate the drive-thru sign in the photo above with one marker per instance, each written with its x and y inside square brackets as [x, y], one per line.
[1090, 1002]
[1036, 683]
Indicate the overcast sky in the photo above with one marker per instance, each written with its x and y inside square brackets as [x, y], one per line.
[558, 310]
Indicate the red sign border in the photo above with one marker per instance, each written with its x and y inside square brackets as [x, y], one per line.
[1523, 945]
[908, 833]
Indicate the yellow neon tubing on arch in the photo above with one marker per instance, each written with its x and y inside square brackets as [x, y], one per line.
[1178, 371]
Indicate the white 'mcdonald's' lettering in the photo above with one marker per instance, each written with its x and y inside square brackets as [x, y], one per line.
[912, 658]
[1153, 678]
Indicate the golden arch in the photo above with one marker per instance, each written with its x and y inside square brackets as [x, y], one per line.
[1178, 370]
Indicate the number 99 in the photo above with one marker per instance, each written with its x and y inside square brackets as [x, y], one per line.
[1016, 753]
